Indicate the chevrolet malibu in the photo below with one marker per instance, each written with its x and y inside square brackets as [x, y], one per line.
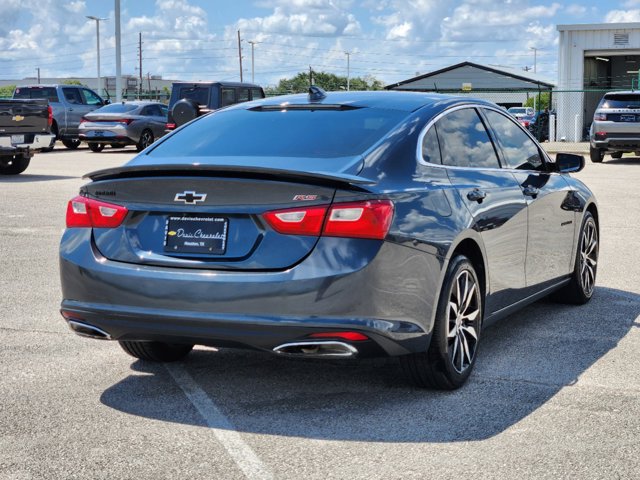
[330, 225]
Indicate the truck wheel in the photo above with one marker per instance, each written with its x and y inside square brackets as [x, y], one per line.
[616, 155]
[71, 143]
[96, 147]
[18, 164]
[596, 154]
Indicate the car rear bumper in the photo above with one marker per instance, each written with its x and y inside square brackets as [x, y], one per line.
[383, 290]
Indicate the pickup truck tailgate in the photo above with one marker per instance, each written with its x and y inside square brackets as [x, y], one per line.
[23, 116]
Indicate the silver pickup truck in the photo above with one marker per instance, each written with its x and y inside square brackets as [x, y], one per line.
[69, 103]
[24, 129]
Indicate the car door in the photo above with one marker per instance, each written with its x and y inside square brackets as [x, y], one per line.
[154, 119]
[550, 225]
[74, 109]
[494, 199]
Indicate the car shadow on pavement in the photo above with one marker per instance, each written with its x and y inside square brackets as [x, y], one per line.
[622, 161]
[524, 361]
[28, 178]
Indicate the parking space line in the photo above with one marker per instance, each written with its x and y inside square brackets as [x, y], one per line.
[222, 428]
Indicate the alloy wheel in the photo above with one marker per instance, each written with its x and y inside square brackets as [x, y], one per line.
[463, 321]
[588, 257]
[146, 140]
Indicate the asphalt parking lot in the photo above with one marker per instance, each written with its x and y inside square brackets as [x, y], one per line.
[555, 393]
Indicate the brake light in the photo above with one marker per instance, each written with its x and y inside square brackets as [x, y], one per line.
[170, 126]
[601, 135]
[86, 212]
[126, 121]
[297, 221]
[83, 120]
[368, 219]
[349, 336]
[49, 116]
[599, 117]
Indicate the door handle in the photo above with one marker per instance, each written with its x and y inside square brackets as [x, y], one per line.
[531, 191]
[476, 195]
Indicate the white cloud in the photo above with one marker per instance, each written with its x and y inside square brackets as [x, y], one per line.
[576, 10]
[623, 16]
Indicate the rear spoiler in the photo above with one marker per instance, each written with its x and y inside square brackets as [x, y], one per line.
[136, 171]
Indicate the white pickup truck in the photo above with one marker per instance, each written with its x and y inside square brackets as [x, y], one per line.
[25, 127]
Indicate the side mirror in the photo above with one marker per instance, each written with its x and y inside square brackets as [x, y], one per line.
[107, 102]
[569, 162]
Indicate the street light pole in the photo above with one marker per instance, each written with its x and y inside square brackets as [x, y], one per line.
[38, 69]
[348, 54]
[118, 54]
[252, 58]
[97, 20]
[535, 58]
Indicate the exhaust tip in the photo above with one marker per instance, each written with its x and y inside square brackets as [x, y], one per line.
[86, 330]
[317, 349]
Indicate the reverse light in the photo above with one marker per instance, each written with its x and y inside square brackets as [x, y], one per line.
[349, 336]
[85, 212]
[298, 221]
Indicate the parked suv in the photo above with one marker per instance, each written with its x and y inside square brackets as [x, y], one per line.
[192, 99]
[616, 126]
[69, 104]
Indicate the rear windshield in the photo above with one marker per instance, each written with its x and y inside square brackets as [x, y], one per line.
[620, 101]
[198, 94]
[117, 108]
[37, 92]
[290, 133]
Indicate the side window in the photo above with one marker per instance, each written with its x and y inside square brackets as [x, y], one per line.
[243, 95]
[228, 97]
[90, 98]
[431, 147]
[164, 111]
[464, 141]
[518, 149]
[256, 93]
[152, 111]
[72, 95]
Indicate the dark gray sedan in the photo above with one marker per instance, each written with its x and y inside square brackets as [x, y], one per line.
[335, 225]
[136, 123]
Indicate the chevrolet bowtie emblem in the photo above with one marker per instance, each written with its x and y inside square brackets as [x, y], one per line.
[190, 197]
[17, 118]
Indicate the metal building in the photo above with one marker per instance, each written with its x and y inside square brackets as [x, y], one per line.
[593, 59]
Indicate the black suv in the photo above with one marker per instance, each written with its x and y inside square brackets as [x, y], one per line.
[192, 99]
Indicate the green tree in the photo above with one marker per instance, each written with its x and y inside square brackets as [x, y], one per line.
[541, 101]
[72, 82]
[327, 81]
[7, 91]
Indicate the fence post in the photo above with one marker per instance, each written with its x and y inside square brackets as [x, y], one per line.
[552, 128]
[577, 129]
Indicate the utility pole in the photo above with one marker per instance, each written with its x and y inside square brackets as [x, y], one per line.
[348, 54]
[240, 55]
[310, 76]
[140, 66]
[97, 20]
[253, 43]
[535, 58]
[118, 54]
[38, 69]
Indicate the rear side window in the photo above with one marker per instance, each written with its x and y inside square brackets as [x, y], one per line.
[620, 101]
[431, 147]
[256, 93]
[243, 95]
[151, 111]
[198, 94]
[464, 141]
[326, 133]
[228, 97]
[49, 93]
[518, 149]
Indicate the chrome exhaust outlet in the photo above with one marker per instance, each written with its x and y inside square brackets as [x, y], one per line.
[86, 330]
[316, 349]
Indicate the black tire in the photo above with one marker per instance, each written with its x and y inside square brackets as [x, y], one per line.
[146, 139]
[156, 351]
[184, 111]
[581, 287]
[17, 165]
[96, 147]
[616, 155]
[448, 362]
[596, 154]
[71, 143]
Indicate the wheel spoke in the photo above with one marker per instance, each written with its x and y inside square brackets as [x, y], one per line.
[465, 347]
[471, 331]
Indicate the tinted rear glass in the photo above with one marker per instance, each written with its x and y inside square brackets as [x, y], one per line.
[37, 92]
[117, 108]
[292, 133]
[198, 94]
[620, 101]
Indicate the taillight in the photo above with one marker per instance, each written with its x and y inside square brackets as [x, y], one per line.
[297, 221]
[170, 126]
[601, 135]
[49, 116]
[599, 117]
[86, 212]
[83, 120]
[368, 219]
[126, 121]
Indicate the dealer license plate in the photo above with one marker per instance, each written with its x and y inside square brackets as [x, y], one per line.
[17, 139]
[628, 118]
[196, 234]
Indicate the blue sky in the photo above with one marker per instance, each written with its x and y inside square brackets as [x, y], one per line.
[391, 40]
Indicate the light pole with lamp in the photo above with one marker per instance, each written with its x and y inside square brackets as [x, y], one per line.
[97, 20]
